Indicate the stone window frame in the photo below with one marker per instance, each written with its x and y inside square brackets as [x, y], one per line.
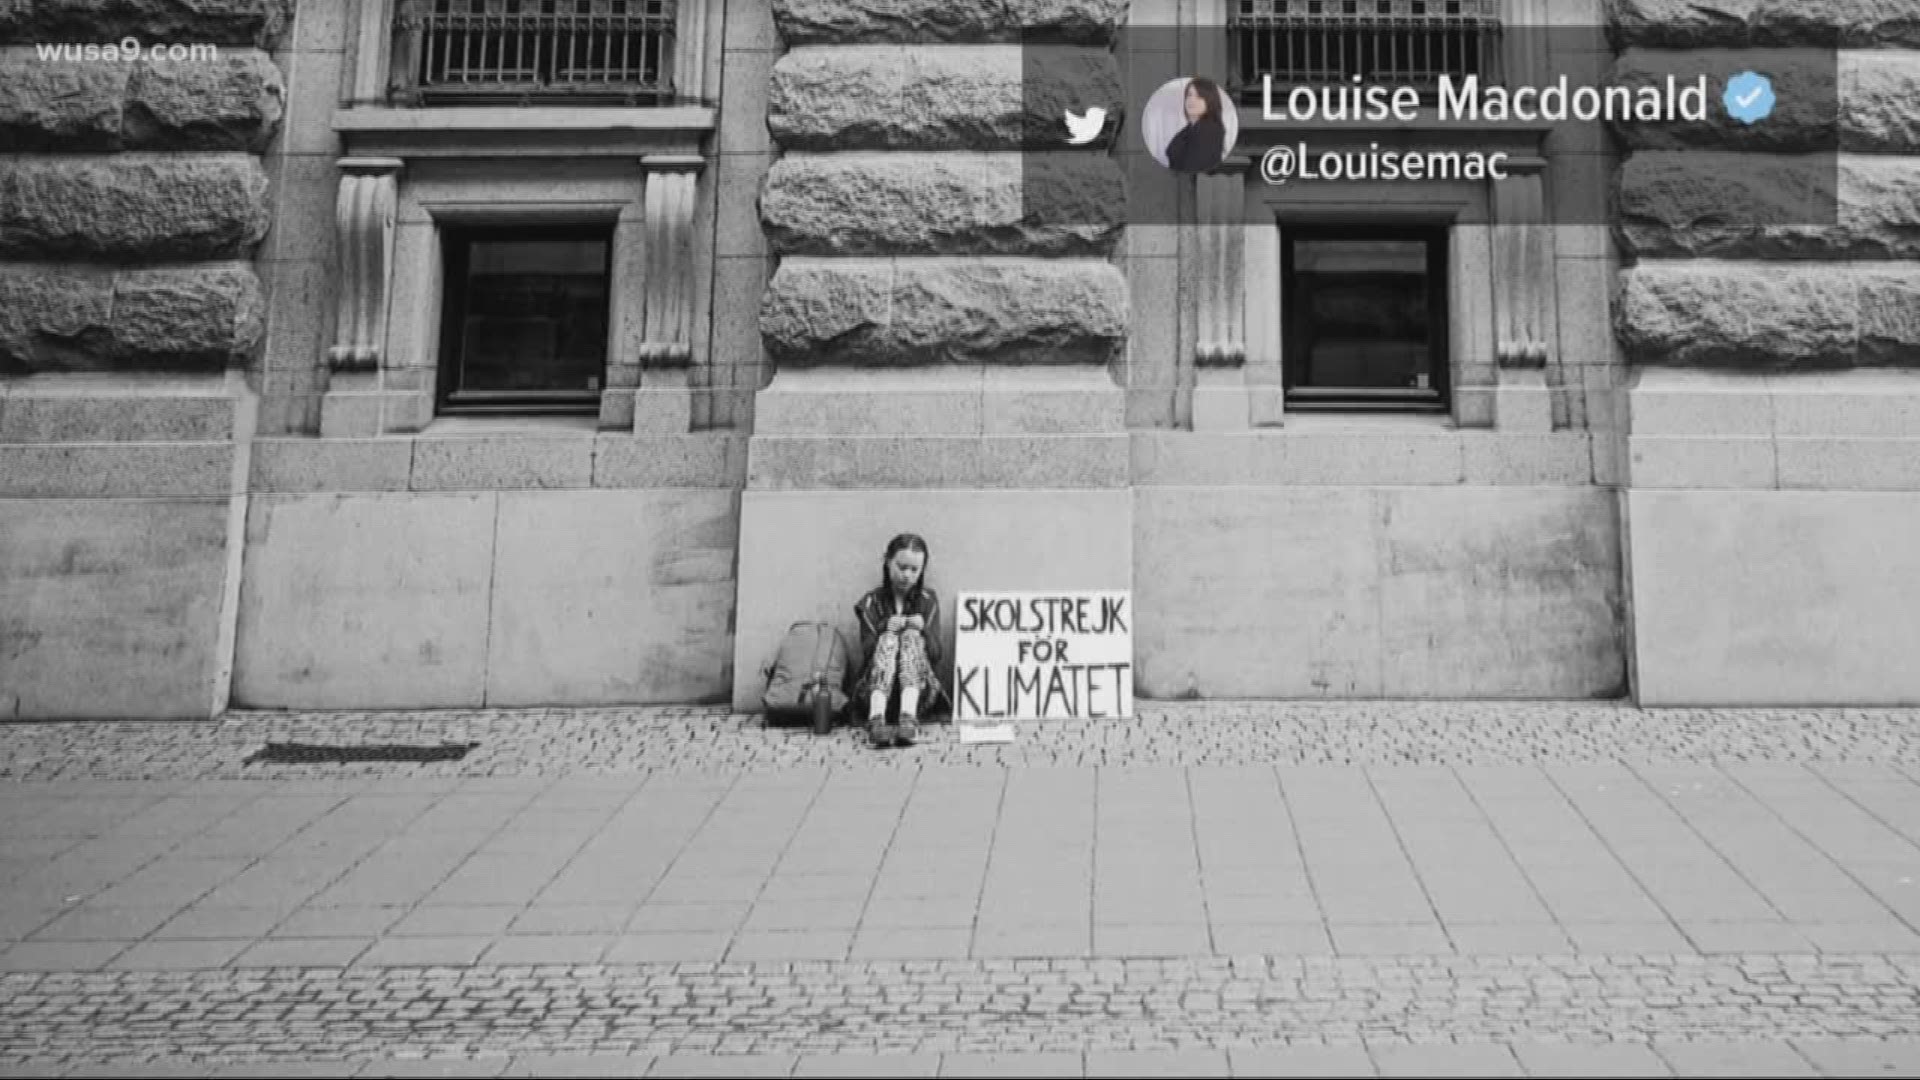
[1502, 322]
[374, 38]
[1502, 314]
[475, 162]
[387, 385]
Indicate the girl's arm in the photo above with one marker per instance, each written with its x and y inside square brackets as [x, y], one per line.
[932, 632]
[869, 633]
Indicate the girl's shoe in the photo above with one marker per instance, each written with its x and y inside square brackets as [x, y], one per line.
[880, 732]
[906, 732]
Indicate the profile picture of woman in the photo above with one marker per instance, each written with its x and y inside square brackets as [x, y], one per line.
[1188, 125]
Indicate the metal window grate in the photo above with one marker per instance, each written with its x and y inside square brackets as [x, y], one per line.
[313, 753]
[1399, 42]
[490, 51]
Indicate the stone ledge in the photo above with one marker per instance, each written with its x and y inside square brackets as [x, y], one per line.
[1791, 206]
[491, 463]
[785, 462]
[498, 463]
[1756, 316]
[907, 312]
[1688, 24]
[1087, 22]
[940, 401]
[976, 98]
[695, 460]
[236, 103]
[1361, 457]
[1865, 404]
[28, 416]
[1830, 464]
[944, 204]
[66, 318]
[132, 208]
[107, 470]
[314, 465]
[1703, 462]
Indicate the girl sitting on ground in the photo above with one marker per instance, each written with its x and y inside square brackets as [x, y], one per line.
[899, 642]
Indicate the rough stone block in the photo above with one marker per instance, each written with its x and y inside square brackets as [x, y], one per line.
[1806, 82]
[73, 319]
[1672, 203]
[1002, 311]
[944, 204]
[1877, 92]
[1868, 91]
[960, 98]
[132, 208]
[220, 22]
[70, 106]
[1689, 24]
[1086, 22]
[1890, 317]
[233, 103]
[1754, 316]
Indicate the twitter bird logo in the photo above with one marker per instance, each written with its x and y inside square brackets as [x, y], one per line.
[1084, 129]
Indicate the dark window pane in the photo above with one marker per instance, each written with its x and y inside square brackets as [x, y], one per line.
[1362, 324]
[534, 318]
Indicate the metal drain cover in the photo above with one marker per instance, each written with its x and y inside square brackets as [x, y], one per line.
[313, 753]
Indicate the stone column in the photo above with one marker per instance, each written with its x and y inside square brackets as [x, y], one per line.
[1219, 268]
[1524, 308]
[665, 404]
[690, 51]
[1264, 303]
[364, 216]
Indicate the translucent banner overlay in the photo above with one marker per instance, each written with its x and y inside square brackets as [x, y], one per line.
[1318, 121]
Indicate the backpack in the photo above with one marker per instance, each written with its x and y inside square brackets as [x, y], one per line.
[808, 676]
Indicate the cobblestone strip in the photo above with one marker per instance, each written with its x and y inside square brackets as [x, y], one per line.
[703, 739]
[949, 1006]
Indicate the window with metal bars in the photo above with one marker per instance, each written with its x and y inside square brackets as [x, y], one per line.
[521, 51]
[1386, 42]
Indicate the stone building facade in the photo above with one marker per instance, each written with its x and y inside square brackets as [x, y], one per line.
[268, 437]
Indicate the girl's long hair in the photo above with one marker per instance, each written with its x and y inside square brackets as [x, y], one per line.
[1209, 92]
[905, 542]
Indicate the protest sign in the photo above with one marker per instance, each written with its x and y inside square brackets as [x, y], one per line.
[1041, 656]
